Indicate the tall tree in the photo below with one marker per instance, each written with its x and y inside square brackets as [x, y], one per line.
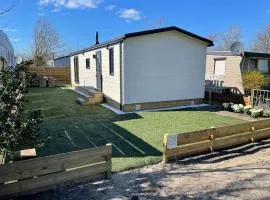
[262, 41]
[46, 42]
[228, 38]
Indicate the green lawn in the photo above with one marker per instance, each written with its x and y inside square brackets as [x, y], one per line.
[136, 138]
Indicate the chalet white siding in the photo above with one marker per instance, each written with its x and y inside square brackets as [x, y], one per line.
[87, 77]
[162, 67]
[6, 51]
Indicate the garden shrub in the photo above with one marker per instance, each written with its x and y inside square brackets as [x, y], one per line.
[256, 112]
[247, 109]
[238, 108]
[253, 79]
[17, 129]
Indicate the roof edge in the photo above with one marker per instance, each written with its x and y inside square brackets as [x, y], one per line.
[170, 28]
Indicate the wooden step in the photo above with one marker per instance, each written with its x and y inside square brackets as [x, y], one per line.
[84, 90]
[89, 95]
[81, 100]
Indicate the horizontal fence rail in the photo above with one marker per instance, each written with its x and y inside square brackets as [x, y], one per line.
[62, 75]
[195, 142]
[34, 175]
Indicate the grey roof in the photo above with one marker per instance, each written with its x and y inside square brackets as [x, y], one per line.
[140, 33]
[246, 54]
[96, 46]
[62, 57]
[220, 53]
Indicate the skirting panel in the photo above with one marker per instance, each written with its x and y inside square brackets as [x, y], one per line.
[160, 104]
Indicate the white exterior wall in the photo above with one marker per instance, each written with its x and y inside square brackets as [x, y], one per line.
[6, 50]
[111, 84]
[162, 67]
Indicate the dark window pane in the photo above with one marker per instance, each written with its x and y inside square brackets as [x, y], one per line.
[111, 60]
[87, 63]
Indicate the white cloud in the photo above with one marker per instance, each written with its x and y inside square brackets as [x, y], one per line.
[10, 29]
[72, 4]
[15, 39]
[110, 7]
[130, 14]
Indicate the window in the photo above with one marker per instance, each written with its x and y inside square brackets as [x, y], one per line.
[262, 66]
[220, 67]
[87, 63]
[111, 61]
[76, 69]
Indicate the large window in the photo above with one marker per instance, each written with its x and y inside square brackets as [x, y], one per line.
[87, 63]
[220, 67]
[111, 61]
[262, 66]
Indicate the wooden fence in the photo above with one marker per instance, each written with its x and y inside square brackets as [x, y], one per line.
[35, 175]
[195, 142]
[62, 75]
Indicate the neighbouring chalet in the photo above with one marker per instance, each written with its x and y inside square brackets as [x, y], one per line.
[151, 69]
[7, 56]
[223, 66]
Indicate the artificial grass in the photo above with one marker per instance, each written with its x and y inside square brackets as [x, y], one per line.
[136, 138]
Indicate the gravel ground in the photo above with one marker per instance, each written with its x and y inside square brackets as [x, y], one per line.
[239, 173]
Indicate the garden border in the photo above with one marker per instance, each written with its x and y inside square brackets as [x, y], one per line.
[202, 141]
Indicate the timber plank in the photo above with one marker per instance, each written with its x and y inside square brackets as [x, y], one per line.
[261, 124]
[262, 134]
[188, 149]
[233, 140]
[194, 136]
[51, 164]
[232, 130]
[53, 179]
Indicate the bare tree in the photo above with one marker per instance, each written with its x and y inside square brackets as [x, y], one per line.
[262, 41]
[10, 7]
[46, 42]
[213, 37]
[231, 36]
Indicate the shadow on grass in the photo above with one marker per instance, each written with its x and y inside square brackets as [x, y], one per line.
[75, 133]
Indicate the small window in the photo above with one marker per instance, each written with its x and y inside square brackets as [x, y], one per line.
[262, 66]
[111, 61]
[87, 63]
[220, 67]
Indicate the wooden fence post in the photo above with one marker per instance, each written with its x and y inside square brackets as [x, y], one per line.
[109, 159]
[164, 156]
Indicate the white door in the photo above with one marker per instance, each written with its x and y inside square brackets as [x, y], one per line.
[219, 67]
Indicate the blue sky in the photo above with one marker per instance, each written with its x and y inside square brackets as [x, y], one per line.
[77, 20]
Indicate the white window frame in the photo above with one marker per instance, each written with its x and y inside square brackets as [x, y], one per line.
[221, 72]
